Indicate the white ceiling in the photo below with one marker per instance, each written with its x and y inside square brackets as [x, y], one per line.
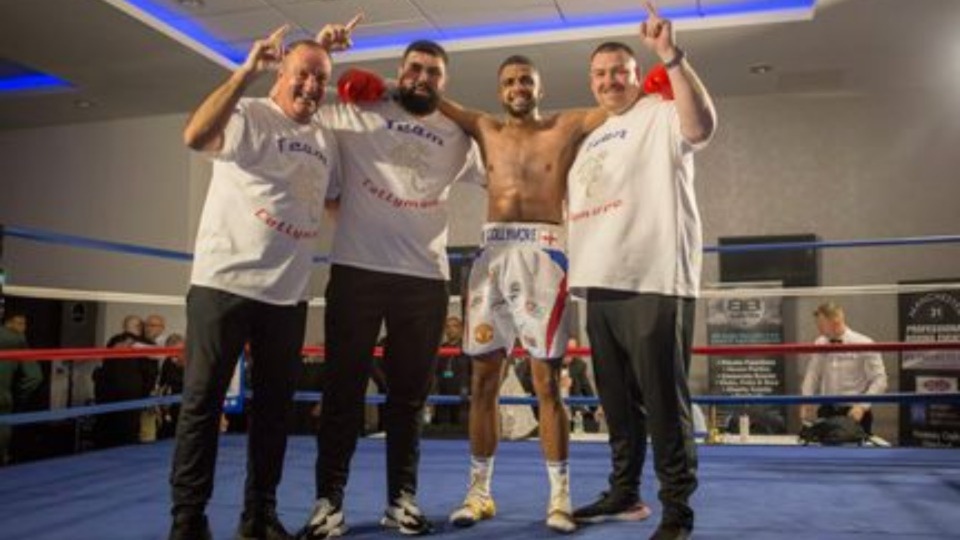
[115, 57]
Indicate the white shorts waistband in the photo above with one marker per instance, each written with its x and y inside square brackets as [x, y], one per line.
[544, 235]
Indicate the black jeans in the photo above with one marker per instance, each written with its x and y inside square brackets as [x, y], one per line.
[641, 357]
[828, 410]
[413, 310]
[219, 324]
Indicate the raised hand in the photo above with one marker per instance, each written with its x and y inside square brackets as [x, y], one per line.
[266, 53]
[657, 33]
[336, 37]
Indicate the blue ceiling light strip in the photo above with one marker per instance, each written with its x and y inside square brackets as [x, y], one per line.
[201, 35]
[585, 22]
[755, 7]
[190, 28]
[32, 83]
[571, 23]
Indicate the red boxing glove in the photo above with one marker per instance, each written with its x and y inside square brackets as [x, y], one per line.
[658, 82]
[359, 86]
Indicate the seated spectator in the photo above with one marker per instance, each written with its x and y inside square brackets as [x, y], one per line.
[842, 373]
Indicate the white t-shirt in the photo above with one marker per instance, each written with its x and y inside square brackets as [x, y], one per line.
[264, 206]
[396, 175]
[632, 210]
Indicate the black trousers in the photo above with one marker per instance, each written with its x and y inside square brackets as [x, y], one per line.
[641, 357]
[219, 324]
[413, 310]
[828, 410]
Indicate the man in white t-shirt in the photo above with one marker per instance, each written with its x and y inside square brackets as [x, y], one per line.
[518, 285]
[252, 264]
[635, 250]
[399, 157]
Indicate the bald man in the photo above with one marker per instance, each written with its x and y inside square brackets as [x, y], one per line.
[252, 264]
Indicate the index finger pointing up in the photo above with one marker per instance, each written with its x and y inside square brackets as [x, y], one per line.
[354, 21]
[277, 35]
[651, 10]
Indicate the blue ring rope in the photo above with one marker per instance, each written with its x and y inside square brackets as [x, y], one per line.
[84, 242]
[827, 244]
[311, 397]
[28, 233]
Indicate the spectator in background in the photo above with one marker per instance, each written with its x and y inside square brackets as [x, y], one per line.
[575, 382]
[154, 329]
[842, 373]
[170, 383]
[18, 379]
[452, 378]
[124, 379]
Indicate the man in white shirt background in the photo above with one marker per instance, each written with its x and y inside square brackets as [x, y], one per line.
[842, 373]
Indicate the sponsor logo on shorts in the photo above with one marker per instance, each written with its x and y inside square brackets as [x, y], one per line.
[535, 310]
[483, 333]
[521, 235]
[530, 342]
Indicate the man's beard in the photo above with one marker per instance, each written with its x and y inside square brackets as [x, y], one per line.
[418, 104]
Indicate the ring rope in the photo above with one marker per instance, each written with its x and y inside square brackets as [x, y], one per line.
[98, 353]
[379, 399]
[80, 295]
[40, 235]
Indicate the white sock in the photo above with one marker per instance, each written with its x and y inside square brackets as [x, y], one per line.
[481, 473]
[559, 474]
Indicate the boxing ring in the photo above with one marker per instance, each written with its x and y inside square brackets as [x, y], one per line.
[747, 489]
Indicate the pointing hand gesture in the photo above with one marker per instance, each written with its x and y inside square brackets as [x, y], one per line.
[266, 53]
[657, 33]
[336, 37]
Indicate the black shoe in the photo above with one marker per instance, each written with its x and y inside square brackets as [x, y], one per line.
[404, 515]
[325, 521]
[190, 527]
[261, 525]
[610, 507]
[671, 532]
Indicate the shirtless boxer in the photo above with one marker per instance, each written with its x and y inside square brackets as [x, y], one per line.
[517, 287]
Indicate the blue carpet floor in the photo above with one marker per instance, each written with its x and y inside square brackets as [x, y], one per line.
[745, 492]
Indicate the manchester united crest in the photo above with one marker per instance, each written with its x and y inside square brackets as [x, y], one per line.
[483, 333]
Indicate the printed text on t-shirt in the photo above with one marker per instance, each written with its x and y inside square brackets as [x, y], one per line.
[604, 208]
[414, 129]
[395, 201]
[286, 145]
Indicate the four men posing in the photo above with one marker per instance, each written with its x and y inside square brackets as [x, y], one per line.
[390, 164]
